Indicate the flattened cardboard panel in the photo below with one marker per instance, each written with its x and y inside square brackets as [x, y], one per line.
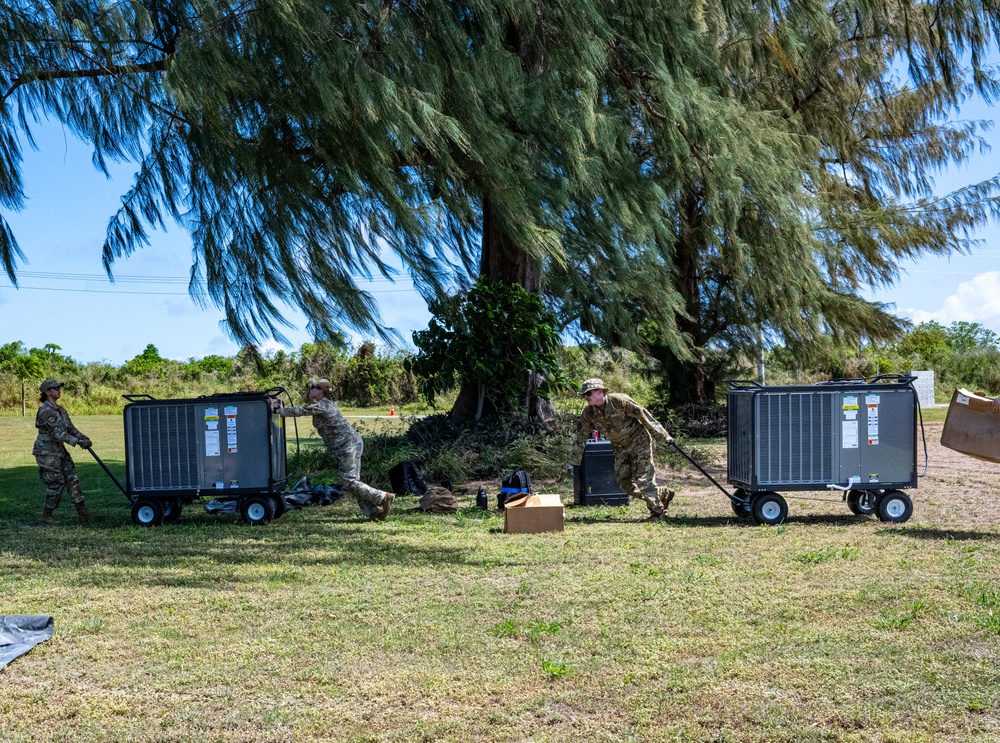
[972, 427]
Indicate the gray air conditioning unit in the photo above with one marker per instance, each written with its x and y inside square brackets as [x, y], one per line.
[225, 446]
[858, 437]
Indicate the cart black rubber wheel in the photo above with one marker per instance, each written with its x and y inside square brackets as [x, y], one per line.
[171, 511]
[862, 502]
[147, 512]
[741, 509]
[895, 506]
[256, 510]
[768, 508]
[278, 506]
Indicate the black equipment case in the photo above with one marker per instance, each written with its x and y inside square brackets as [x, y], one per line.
[594, 482]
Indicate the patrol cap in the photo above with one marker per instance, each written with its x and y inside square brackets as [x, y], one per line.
[592, 384]
[49, 384]
[323, 384]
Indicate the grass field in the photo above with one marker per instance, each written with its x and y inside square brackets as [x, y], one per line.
[320, 626]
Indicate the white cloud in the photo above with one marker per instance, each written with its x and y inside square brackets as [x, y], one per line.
[977, 300]
[272, 346]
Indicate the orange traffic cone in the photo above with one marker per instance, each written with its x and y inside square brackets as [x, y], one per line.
[392, 410]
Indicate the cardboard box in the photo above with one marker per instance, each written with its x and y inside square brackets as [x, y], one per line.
[972, 427]
[533, 513]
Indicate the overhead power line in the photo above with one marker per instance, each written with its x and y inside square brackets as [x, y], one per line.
[157, 279]
[166, 281]
[154, 294]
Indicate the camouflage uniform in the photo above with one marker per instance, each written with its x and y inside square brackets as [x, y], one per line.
[631, 430]
[341, 438]
[55, 466]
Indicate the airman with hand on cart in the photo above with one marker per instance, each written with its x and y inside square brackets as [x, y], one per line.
[342, 439]
[631, 429]
[55, 466]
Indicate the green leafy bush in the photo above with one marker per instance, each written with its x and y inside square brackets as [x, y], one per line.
[497, 337]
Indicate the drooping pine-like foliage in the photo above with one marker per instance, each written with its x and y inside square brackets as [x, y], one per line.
[296, 139]
[802, 172]
[678, 174]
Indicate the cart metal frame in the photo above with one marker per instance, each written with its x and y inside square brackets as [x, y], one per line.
[174, 448]
[857, 437]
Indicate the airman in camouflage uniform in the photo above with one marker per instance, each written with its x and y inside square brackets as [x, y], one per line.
[341, 438]
[55, 466]
[631, 430]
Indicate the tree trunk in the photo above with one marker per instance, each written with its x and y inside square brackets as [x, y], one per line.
[688, 380]
[689, 383]
[501, 260]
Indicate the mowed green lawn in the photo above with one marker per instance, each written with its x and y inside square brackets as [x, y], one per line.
[320, 626]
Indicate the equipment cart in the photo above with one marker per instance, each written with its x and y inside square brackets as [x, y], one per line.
[855, 436]
[228, 446]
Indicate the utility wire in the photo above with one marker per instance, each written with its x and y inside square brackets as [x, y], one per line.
[152, 279]
[151, 294]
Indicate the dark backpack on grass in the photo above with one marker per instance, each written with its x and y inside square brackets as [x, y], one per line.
[406, 479]
[512, 486]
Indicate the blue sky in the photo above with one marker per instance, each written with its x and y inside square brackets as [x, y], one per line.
[962, 287]
[64, 297]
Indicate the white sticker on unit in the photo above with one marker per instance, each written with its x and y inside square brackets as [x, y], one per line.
[849, 435]
[229, 410]
[962, 399]
[212, 444]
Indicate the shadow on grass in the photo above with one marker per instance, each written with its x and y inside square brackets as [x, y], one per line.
[202, 549]
[671, 521]
[915, 532]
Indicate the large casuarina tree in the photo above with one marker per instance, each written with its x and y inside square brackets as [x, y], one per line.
[296, 140]
[670, 174]
[803, 172]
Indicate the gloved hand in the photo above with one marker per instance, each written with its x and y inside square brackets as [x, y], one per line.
[569, 469]
[667, 439]
[85, 443]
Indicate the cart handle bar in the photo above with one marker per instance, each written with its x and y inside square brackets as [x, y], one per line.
[105, 468]
[701, 469]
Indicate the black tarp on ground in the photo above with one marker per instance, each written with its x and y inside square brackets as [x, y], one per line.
[19, 634]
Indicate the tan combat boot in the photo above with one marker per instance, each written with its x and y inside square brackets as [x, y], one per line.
[46, 519]
[666, 495]
[383, 512]
[83, 514]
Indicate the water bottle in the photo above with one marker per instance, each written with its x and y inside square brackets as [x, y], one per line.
[482, 500]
